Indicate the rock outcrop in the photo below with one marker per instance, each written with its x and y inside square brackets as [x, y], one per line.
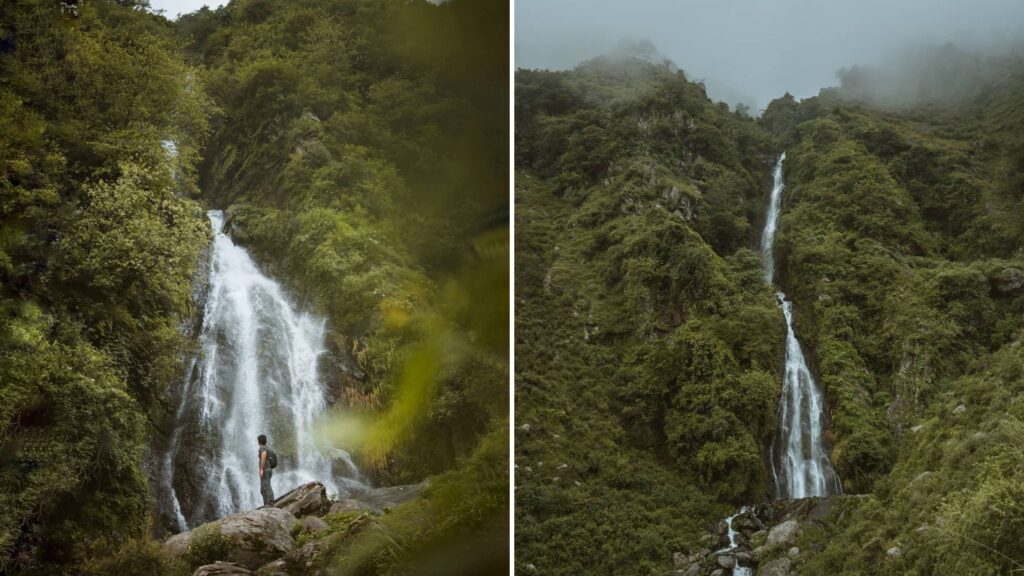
[307, 499]
[256, 536]
[262, 541]
[764, 539]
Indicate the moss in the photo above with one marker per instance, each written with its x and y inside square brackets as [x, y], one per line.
[206, 545]
[141, 557]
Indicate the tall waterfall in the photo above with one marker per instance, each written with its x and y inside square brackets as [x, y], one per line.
[256, 372]
[799, 455]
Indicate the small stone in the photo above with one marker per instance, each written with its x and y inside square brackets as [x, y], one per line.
[562, 466]
[531, 567]
[894, 552]
[726, 561]
[525, 427]
[313, 524]
[718, 572]
[680, 560]
[916, 429]
[960, 409]
[794, 552]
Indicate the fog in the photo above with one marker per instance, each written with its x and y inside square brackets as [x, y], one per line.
[753, 51]
[174, 8]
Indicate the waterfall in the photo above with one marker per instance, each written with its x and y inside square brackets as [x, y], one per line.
[799, 455]
[256, 372]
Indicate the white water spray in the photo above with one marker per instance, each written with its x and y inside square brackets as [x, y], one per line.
[800, 463]
[256, 373]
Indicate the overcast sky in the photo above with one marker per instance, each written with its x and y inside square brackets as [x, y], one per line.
[172, 8]
[756, 50]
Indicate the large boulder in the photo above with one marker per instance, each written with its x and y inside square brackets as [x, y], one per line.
[777, 567]
[305, 500]
[222, 569]
[256, 536]
[783, 535]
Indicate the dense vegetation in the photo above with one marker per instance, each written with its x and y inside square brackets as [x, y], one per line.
[360, 151]
[648, 345]
[902, 245]
[97, 251]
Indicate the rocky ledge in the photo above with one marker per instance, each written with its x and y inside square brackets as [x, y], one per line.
[286, 539]
[764, 542]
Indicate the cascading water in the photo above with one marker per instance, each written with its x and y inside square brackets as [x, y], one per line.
[257, 372]
[734, 544]
[799, 456]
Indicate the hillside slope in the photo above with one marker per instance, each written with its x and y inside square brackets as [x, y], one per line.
[902, 246]
[648, 346]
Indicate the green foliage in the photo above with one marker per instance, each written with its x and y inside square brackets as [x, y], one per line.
[460, 524]
[138, 557]
[897, 230]
[97, 251]
[648, 345]
[361, 155]
[71, 434]
[206, 545]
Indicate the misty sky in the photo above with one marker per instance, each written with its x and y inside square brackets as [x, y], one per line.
[172, 8]
[756, 50]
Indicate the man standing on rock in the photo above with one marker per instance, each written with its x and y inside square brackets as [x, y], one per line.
[268, 461]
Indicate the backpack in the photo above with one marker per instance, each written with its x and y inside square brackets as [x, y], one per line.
[271, 459]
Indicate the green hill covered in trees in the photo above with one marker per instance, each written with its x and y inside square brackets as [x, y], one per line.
[359, 149]
[648, 345]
